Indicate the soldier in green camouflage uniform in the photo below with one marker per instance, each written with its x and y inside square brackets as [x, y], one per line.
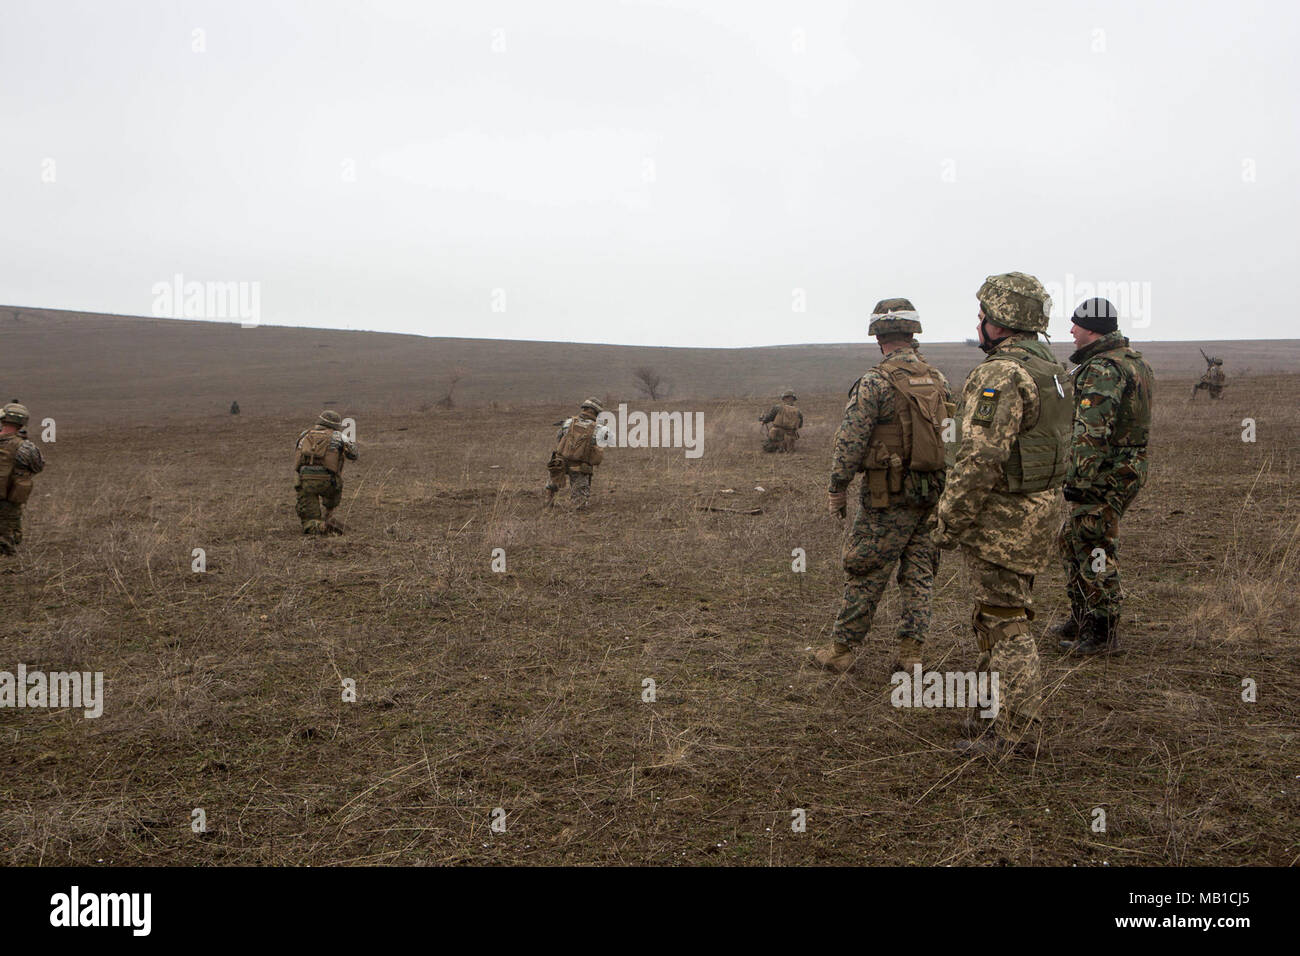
[1000, 503]
[320, 478]
[1113, 388]
[896, 510]
[21, 459]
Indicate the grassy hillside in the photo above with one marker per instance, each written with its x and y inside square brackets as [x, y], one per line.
[88, 368]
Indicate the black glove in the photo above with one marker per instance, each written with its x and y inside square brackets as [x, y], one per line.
[1081, 496]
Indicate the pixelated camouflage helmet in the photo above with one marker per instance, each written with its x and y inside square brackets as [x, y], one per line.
[1015, 300]
[330, 419]
[593, 404]
[15, 414]
[897, 316]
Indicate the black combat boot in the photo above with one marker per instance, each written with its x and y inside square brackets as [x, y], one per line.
[1067, 632]
[1099, 635]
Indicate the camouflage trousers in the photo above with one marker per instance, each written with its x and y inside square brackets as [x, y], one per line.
[882, 538]
[579, 486]
[1089, 546]
[11, 526]
[314, 493]
[779, 439]
[1003, 608]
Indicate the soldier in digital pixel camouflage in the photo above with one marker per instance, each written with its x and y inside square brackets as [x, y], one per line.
[20, 459]
[892, 432]
[1000, 502]
[320, 454]
[1113, 389]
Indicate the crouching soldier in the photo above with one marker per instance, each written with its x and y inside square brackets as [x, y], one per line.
[321, 451]
[19, 460]
[578, 450]
[783, 423]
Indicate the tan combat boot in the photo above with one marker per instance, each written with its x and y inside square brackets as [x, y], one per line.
[834, 657]
[907, 656]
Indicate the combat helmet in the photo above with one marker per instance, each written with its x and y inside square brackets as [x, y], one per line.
[15, 414]
[593, 404]
[1015, 300]
[330, 419]
[789, 393]
[894, 316]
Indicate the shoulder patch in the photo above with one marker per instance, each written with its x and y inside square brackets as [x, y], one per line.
[986, 407]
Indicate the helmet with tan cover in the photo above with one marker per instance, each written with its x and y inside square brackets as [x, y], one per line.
[15, 414]
[330, 419]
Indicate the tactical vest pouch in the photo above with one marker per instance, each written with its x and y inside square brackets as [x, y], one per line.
[8, 449]
[787, 417]
[20, 487]
[876, 466]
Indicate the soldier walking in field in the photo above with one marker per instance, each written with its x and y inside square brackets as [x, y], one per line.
[321, 452]
[1000, 502]
[1113, 388]
[579, 449]
[1213, 381]
[892, 432]
[20, 459]
[783, 422]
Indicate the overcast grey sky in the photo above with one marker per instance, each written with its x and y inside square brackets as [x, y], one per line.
[665, 173]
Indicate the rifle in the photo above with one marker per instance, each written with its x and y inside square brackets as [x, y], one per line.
[1208, 361]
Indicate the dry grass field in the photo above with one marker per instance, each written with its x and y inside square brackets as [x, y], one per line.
[523, 690]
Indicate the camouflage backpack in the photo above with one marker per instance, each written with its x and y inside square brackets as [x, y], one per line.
[14, 482]
[315, 449]
[787, 417]
[579, 442]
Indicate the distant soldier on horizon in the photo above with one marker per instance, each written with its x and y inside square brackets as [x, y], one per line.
[783, 422]
[578, 451]
[321, 451]
[20, 459]
[234, 408]
[1213, 381]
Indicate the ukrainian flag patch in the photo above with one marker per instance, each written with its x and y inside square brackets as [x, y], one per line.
[986, 408]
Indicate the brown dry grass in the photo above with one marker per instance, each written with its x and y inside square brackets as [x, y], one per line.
[523, 690]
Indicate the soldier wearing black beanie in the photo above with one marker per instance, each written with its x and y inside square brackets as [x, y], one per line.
[1096, 315]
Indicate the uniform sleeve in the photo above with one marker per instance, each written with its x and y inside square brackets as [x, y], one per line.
[350, 450]
[30, 457]
[1098, 389]
[768, 416]
[989, 427]
[854, 434]
[800, 425]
